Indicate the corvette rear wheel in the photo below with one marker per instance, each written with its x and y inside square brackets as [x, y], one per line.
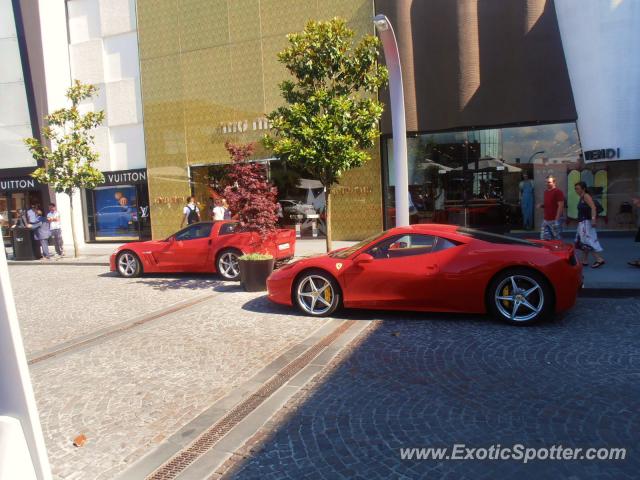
[128, 265]
[317, 294]
[228, 266]
[520, 297]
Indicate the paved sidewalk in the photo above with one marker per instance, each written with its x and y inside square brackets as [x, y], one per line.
[434, 380]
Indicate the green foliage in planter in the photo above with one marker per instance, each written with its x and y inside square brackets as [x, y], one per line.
[256, 256]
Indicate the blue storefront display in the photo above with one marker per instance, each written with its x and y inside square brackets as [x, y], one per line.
[118, 210]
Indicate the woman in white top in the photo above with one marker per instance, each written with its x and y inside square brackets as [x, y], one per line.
[218, 210]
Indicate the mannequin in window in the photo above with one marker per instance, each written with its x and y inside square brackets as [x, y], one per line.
[526, 201]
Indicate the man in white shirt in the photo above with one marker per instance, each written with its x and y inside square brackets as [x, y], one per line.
[218, 210]
[190, 213]
[53, 217]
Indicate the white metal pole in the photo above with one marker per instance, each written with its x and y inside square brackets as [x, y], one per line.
[16, 393]
[400, 168]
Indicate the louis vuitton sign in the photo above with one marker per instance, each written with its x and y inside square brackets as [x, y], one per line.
[125, 177]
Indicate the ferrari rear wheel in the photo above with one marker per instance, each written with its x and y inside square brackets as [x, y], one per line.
[128, 265]
[317, 294]
[520, 297]
[228, 266]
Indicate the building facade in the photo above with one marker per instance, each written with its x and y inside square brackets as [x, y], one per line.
[498, 96]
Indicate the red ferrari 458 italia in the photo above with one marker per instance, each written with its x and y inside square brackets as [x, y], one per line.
[440, 268]
[200, 247]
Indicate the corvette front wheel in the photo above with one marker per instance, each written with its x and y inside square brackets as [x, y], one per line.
[520, 297]
[128, 265]
[228, 266]
[317, 294]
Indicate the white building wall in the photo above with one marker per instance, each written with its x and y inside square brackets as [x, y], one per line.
[600, 40]
[15, 123]
[104, 51]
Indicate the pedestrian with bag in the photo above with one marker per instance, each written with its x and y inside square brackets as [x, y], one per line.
[190, 213]
[218, 210]
[53, 217]
[551, 228]
[586, 235]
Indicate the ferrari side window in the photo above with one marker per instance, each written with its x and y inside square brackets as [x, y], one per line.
[443, 244]
[403, 246]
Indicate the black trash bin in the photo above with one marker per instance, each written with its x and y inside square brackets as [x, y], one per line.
[24, 246]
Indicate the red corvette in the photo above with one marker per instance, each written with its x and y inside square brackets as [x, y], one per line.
[200, 247]
[440, 268]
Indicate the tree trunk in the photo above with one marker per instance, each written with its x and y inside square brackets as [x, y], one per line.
[73, 228]
[327, 194]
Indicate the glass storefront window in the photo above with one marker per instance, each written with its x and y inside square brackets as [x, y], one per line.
[118, 213]
[493, 178]
[301, 198]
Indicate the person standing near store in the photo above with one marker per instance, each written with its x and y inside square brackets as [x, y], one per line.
[190, 213]
[227, 211]
[526, 201]
[553, 206]
[586, 235]
[42, 233]
[218, 210]
[53, 217]
[32, 214]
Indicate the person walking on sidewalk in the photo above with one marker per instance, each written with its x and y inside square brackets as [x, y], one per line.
[586, 235]
[53, 217]
[42, 233]
[218, 210]
[190, 213]
[553, 206]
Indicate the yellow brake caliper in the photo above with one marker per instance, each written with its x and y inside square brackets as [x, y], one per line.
[505, 293]
[327, 294]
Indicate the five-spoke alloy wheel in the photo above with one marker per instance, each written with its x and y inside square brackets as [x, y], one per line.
[228, 266]
[520, 297]
[128, 264]
[316, 294]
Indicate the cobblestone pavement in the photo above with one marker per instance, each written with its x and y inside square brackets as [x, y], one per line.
[438, 380]
[131, 391]
[57, 303]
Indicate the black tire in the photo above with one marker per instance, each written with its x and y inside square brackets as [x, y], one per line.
[532, 300]
[227, 264]
[327, 300]
[128, 264]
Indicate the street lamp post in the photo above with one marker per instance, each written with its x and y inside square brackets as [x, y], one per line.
[400, 168]
[533, 155]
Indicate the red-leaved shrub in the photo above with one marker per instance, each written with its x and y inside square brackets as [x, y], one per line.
[251, 198]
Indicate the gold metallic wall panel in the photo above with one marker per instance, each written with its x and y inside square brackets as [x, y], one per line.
[357, 201]
[244, 20]
[158, 32]
[209, 73]
[246, 74]
[203, 24]
[279, 17]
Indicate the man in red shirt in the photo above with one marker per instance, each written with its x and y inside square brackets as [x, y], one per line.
[553, 205]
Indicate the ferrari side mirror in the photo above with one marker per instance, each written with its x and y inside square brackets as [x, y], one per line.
[363, 258]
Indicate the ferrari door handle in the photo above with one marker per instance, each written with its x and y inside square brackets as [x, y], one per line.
[432, 268]
[209, 242]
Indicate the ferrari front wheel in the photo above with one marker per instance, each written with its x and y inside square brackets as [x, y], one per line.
[128, 264]
[317, 294]
[520, 297]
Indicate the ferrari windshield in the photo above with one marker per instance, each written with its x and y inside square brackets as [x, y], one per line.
[354, 248]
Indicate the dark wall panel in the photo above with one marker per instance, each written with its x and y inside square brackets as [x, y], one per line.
[479, 63]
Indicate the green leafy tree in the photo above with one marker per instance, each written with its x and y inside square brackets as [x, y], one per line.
[330, 116]
[68, 162]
